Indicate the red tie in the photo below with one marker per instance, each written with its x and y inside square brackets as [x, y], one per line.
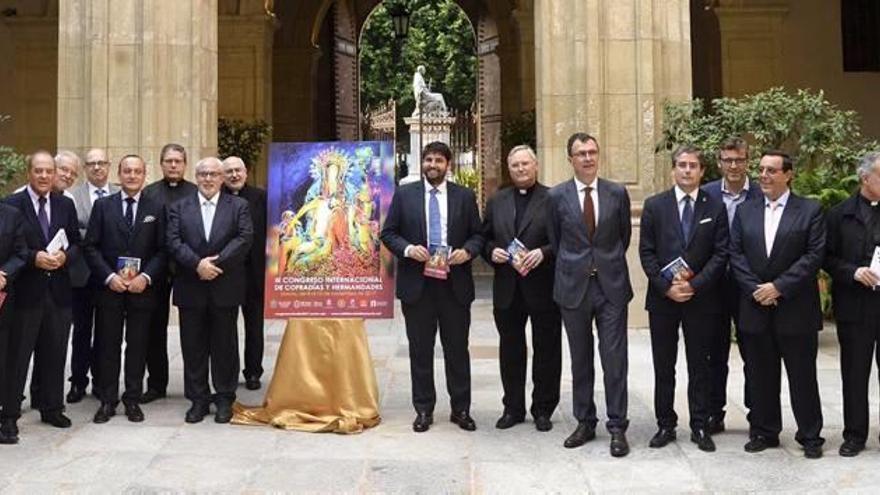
[589, 214]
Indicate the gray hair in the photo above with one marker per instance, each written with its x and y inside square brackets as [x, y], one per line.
[208, 160]
[69, 155]
[866, 166]
[230, 160]
[522, 147]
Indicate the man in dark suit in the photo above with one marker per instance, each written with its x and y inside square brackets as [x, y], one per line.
[13, 256]
[209, 235]
[165, 191]
[125, 248]
[523, 291]
[83, 352]
[684, 224]
[255, 268]
[590, 229]
[42, 296]
[776, 249]
[852, 243]
[428, 217]
[733, 188]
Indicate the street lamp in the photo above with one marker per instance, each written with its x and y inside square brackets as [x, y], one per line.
[400, 19]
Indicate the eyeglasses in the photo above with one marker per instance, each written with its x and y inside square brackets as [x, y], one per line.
[769, 170]
[98, 163]
[732, 161]
[208, 175]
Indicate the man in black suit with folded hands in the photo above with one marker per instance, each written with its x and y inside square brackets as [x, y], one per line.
[776, 250]
[209, 235]
[523, 291]
[125, 249]
[683, 249]
[853, 240]
[425, 220]
[13, 256]
[42, 297]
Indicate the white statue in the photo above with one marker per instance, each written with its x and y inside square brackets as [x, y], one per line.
[430, 102]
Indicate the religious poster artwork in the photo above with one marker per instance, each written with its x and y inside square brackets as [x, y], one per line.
[326, 205]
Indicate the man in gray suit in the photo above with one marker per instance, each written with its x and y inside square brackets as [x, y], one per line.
[82, 359]
[590, 230]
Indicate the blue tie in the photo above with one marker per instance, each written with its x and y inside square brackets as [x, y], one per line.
[129, 212]
[43, 218]
[435, 236]
[687, 218]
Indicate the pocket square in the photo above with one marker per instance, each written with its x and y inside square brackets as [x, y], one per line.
[705, 220]
[149, 218]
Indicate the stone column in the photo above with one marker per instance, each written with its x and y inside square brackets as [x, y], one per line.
[134, 75]
[606, 67]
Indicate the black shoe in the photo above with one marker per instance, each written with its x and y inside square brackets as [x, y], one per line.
[9, 432]
[543, 423]
[759, 443]
[813, 452]
[56, 419]
[105, 412]
[464, 420]
[75, 394]
[151, 395]
[196, 413]
[133, 412]
[581, 435]
[850, 448]
[508, 420]
[703, 440]
[422, 422]
[662, 438]
[619, 446]
[224, 413]
[252, 383]
[715, 425]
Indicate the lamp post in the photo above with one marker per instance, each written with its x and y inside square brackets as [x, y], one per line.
[399, 19]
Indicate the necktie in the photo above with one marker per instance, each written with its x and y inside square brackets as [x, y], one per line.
[208, 218]
[129, 212]
[687, 218]
[589, 213]
[100, 193]
[43, 218]
[435, 236]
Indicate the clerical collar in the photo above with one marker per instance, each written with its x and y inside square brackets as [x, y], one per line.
[172, 184]
[527, 191]
[868, 201]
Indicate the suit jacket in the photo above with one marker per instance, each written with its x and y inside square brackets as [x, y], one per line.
[798, 249]
[109, 237]
[405, 225]
[576, 255]
[79, 271]
[232, 233]
[33, 284]
[499, 229]
[845, 252]
[705, 251]
[713, 189]
[255, 265]
[13, 250]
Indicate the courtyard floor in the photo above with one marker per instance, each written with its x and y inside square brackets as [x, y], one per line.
[165, 455]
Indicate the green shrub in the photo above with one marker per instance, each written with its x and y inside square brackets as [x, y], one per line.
[242, 139]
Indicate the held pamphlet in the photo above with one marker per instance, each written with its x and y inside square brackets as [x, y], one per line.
[438, 265]
[518, 251]
[677, 269]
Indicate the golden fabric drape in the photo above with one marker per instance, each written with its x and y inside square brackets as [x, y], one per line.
[323, 381]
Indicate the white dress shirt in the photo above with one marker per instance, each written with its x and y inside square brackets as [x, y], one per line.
[443, 200]
[594, 196]
[134, 206]
[208, 212]
[35, 199]
[93, 196]
[772, 215]
[679, 199]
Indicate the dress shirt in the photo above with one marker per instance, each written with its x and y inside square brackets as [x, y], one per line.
[771, 219]
[679, 199]
[443, 202]
[93, 189]
[731, 200]
[35, 199]
[208, 220]
[134, 207]
[594, 196]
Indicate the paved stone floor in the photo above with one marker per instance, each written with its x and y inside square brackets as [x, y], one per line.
[164, 454]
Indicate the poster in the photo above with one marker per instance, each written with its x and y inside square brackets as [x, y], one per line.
[326, 203]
